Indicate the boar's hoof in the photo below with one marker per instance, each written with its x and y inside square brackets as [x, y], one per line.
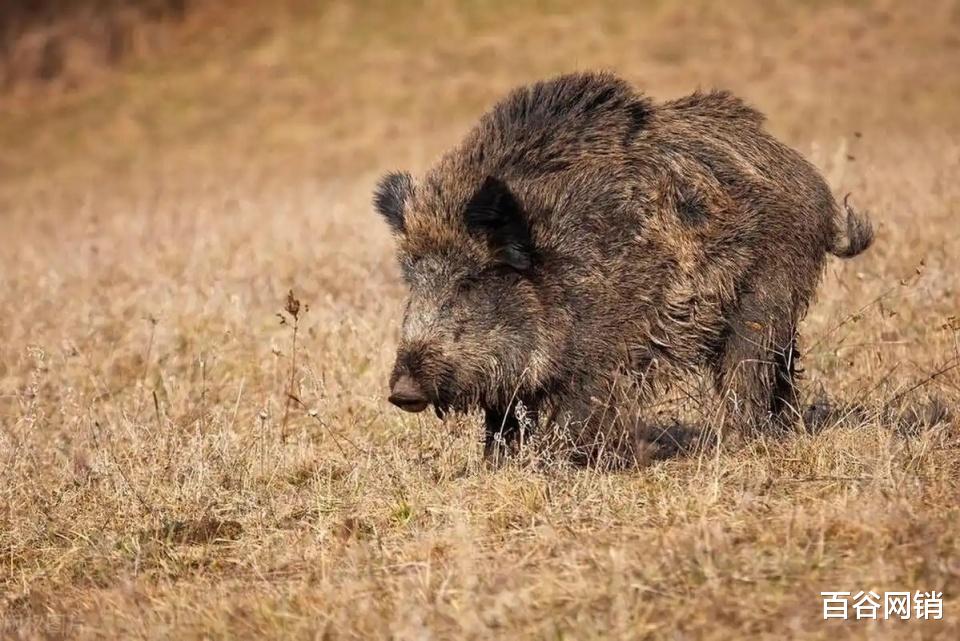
[496, 453]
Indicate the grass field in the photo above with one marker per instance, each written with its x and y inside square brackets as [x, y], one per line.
[157, 482]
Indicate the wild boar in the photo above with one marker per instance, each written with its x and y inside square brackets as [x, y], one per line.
[581, 230]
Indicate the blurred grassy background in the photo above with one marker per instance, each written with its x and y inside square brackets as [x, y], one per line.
[326, 87]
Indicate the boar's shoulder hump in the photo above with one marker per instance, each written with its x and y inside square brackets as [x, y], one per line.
[718, 104]
[551, 125]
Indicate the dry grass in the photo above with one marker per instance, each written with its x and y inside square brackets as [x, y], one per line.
[156, 481]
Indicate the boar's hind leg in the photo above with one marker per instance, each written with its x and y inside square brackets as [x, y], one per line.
[504, 429]
[757, 365]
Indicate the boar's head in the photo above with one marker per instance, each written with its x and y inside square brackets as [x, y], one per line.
[472, 326]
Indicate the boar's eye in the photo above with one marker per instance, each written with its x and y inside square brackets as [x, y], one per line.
[467, 284]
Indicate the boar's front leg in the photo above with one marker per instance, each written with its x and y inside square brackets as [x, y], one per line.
[757, 366]
[507, 428]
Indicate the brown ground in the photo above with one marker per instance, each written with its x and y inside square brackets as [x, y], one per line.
[154, 482]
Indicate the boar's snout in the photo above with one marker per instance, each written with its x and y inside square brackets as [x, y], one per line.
[406, 394]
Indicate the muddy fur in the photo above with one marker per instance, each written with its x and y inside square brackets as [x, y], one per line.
[582, 230]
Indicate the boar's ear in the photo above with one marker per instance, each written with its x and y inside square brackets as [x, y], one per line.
[494, 212]
[391, 196]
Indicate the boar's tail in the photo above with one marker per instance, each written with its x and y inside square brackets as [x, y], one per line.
[854, 232]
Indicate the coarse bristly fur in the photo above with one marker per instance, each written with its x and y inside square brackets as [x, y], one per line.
[582, 230]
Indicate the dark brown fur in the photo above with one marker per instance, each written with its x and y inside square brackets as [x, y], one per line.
[581, 229]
